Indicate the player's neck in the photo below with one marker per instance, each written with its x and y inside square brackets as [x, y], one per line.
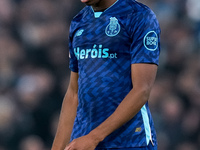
[103, 5]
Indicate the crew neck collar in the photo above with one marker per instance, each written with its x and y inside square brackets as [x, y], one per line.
[98, 14]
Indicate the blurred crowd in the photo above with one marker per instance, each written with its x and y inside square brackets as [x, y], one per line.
[34, 72]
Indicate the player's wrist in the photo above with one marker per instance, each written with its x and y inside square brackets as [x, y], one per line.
[56, 148]
[97, 137]
[58, 145]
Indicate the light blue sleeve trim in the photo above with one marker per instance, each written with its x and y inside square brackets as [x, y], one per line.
[97, 14]
[146, 124]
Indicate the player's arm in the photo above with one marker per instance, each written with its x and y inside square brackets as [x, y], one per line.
[143, 76]
[67, 115]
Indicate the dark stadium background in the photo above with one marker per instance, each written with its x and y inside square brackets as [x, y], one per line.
[34, 72]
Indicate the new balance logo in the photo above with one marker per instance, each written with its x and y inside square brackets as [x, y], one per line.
[79, 32]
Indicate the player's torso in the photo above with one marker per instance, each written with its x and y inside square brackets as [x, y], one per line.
[104, 38]
[102, 47]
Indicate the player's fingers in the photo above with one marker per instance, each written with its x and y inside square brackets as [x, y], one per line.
[67, 147]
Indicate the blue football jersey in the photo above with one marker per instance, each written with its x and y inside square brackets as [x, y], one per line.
[102, 48]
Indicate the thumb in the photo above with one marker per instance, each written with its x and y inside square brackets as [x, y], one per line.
[67, 147]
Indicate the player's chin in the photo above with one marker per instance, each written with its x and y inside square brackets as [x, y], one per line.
[90, 2]
[86, 1]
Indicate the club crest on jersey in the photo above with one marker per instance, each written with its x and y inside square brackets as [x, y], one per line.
[113, 28]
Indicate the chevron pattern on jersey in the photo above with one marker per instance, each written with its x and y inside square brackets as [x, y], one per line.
[102, 51]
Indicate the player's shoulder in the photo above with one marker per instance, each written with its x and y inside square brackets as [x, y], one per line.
[79, 18]
[142, 16]
[81, 14]
[139, 9]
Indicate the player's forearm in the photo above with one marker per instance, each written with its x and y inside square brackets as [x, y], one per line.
[66, 121]
[128, 108]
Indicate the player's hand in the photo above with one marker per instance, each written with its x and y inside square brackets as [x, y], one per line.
[83, 143]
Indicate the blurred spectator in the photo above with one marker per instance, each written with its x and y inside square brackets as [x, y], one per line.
[187, 146]
[32, 143]
[34, 72]
[195, 11]
[7, 9]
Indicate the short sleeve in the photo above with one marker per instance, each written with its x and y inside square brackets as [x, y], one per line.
[145, 33]
[73, 62]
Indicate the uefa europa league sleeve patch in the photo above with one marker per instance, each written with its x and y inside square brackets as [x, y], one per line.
[151, 41]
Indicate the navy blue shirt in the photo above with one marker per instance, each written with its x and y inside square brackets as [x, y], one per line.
[102, 48]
